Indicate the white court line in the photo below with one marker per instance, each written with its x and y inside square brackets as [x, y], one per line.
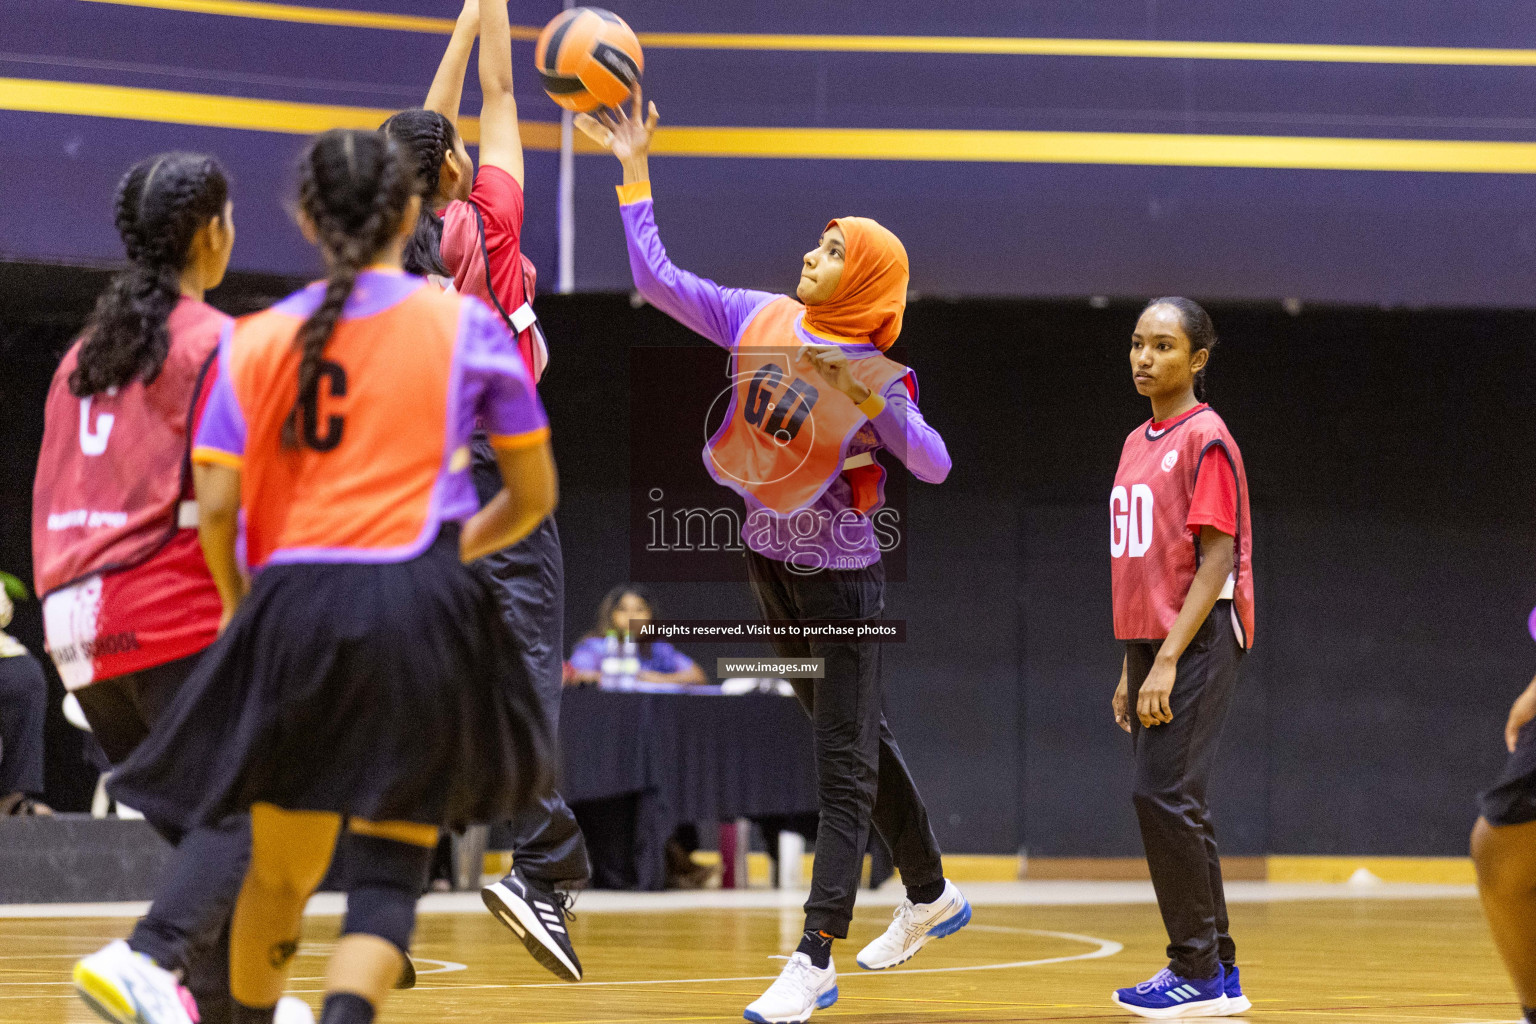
[1106, 947]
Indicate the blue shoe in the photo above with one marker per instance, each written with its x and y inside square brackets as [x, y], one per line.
[1166, 996]
[1236, 1001]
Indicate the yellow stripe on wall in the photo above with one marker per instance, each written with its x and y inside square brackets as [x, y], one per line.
[1134, 148]
[1150, 149]
[1325, 53]
[168, 107]
[340, 16]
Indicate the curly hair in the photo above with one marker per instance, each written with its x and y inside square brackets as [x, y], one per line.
[160, 205]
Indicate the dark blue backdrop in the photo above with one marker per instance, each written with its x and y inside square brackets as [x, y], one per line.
[973, 228]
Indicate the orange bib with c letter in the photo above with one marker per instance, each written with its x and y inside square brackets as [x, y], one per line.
[786, 431]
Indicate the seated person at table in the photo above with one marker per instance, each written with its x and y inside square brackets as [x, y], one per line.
[23, 703]
[623, 611]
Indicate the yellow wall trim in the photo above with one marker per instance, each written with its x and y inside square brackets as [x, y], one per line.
[943, 145]
[1432, 870]
[240, 112]
[1168, 49]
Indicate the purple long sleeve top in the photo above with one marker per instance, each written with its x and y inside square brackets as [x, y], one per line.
[830, 532]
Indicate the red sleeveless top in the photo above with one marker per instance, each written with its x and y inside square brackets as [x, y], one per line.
[1153, 553]
[114, 541]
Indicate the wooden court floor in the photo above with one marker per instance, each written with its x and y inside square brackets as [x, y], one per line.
[1428, 961]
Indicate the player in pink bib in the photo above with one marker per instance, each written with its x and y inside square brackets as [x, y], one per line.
[1180, 545]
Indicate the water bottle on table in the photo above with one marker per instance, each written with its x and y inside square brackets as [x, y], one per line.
[610, 665]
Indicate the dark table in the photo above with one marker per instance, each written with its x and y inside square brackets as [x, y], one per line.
[685, 757]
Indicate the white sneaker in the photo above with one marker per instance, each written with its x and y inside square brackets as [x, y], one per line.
[129, 988]
[801, 989]
[292, 1010]
[913, 926]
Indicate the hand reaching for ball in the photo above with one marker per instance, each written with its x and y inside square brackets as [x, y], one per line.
[625, 134]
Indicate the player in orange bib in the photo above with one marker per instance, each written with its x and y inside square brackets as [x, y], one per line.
[814, 399]
[364, 682]
[1181, 545]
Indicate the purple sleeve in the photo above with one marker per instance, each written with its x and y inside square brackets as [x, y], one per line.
[902, 429]
[223, 424]
[495, 381]
[695, 302]
[588, 655]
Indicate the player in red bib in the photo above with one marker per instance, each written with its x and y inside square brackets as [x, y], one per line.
[476, 246]
[128, 603]
[1180, 543]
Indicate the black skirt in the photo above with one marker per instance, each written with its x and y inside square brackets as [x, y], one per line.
[387, 692]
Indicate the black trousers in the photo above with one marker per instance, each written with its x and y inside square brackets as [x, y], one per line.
[1173, 768]
[546, 841]
[23, 706]
[861, 777]
[187, 927]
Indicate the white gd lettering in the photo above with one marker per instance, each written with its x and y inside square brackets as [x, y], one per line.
[93, 441]
[1130, 521]
[1119, 508]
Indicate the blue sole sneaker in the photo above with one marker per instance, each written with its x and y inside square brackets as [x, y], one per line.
[913, 926]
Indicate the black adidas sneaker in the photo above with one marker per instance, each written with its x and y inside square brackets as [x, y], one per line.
[538, 919]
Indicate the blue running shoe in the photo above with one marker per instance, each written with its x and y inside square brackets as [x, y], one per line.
[1236, 1001]
[1166, 996]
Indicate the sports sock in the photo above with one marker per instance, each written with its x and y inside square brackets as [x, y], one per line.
[1530, 1014]
[925, 893]
[242, 1014]
[818, 946]
[346, 1008]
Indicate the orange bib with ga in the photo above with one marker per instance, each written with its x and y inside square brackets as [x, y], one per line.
[786, 431]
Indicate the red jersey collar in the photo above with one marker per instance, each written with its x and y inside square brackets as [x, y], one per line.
[1163, 427]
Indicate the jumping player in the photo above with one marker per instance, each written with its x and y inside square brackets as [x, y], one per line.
[1504, 849]
[129, 604]
[480, 234]
[815, 398]
[365, 681]
[1180, 548]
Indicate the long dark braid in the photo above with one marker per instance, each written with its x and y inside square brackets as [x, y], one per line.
[353, 186]
[427, 137]
[160, 205]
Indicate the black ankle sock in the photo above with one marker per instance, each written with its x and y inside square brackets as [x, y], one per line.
[346, 1008]
[242, 1014]
[925, 893]
[816, 945]
[1530, 1014]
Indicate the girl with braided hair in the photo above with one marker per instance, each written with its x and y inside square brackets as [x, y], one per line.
[128, 602]
[364, 683]
[478, 243]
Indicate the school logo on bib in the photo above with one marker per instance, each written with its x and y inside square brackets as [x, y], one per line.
[1170, 460]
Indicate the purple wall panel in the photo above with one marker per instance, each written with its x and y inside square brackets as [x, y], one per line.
[972, 228]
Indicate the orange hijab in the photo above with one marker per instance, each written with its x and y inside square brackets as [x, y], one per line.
[872, 294]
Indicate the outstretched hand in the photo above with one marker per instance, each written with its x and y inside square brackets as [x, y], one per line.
[625, 134]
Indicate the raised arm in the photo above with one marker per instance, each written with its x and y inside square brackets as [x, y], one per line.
[448, 84]
[501, 144]
[695, 302]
